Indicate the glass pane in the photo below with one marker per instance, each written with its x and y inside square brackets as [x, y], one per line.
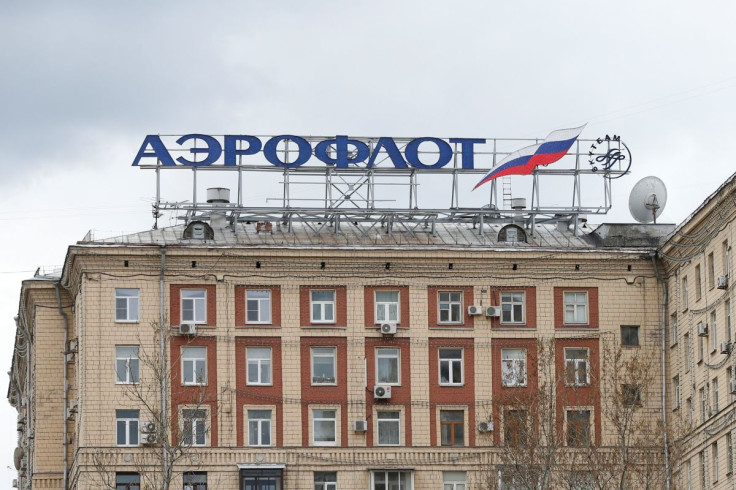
[388, 370]
[121, 366]
[200, 311]
[253, 433]
[134, 371]
[121, 309]
[133, 432]
[133, 309]
[259, 414]
[254, 294]
[387, 296]
[323, 296]
[445, 372]
[451, 416]
[193, 293]
[329, 312]
[120, 433]
[457, 372]
[324, 431]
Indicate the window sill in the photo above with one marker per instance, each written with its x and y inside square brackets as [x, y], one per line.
[328, 327]
[254, 326]
[127, 321]
[452, 385]
[450, 327]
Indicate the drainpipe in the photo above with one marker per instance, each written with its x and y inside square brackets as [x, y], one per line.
[162, 353]
[664, 372]
[65, 384]
[22, 325]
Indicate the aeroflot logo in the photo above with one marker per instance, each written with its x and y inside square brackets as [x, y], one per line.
[340, 151]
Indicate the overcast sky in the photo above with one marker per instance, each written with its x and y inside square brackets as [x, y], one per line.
[83, 82]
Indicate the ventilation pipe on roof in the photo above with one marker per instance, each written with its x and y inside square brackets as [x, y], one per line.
[218, 195]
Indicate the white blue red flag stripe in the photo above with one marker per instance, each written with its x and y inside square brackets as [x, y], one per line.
[524, 161]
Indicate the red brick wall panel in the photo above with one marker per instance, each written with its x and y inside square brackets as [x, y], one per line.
[175, 306]
[559, 307]
[369, 299]
[530, 305]
[240, 306]
[579, 396]
[341, 307]
[433, 311]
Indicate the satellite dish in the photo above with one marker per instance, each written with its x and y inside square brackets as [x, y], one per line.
[647, 199]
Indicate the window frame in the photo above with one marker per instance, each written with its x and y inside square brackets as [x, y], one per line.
[321, 481]
[130, 379]
[449, 304]
[451, 361]
[713, 330]
[194, 360]
[685, 294]
[328, 352]
[131, 426]
[260, 365]
[333, 420]
[711, 271]
[676, 392]
[386, 306]
[194, 485]
[575, 304]
[322, 320]
[512, 303]
[583, 428]
[454, 480]
[522, 367]
[193, 425]
[576, 360]
[127, 485]
[515, 427]
[453, 426]
[259, 303]
[196, 300]
[259, 426]
[714, 384]
[698, 283]
[118, 297]
[625, 339]
[401, 474]
[394, 421]
[396, 354]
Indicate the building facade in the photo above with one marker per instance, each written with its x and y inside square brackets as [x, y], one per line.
[259, 358]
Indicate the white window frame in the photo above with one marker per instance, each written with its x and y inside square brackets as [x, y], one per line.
[571, 302]
[325, 485]
[388, 353]
[688, 355]
[194, 420]
[729, 454]
[715, 461]
[131, 427]
[260, 426]
[259, 365]
[714, 384]
[575, 364]
[713, 330]
[451, 305]
[711, 271]
[191, 363]
[132, 299]
[129, 363]
[327, 420]
[676, 392]
[685, 294]
[385, 474]
[510, 299]
[385, 423]
[383, 308]
[454, 480]
[323, 317]
[323, 352]
[197, 299]
[450, 363]
[727, 308]
[262, 307]
[513, 367]
[698, 283]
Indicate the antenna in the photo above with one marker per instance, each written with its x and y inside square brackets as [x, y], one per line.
[647, 199]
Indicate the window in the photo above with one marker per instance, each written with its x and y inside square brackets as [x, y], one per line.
[322, 305]
[711, 271]
[126, 422]
[713, 331]
[729, 454]
[513, 367]
[451, 367]
[195, 480]
[714, 460]
[392, 479]
[387, 306]
[689, 471]
[194, 365]
[259, 427]
[714, 384]
[698, 283]
[127, 481]
[578, 427]
[576, 308]
[512, 308]
[690, 411]
[324, 365]
[702, 469]
[127, 369]
[582, 480]
[257, 306]
[726, 251]
[688, 356]
[389, 424]
[701, 348]
[685, 296]
[126, 305]
[631, 395]
[703, 406]
[729, 377]
[674, 333]
[676, 392]
[258, 361]
[387, 366]
[450, 306]
[576, 367]
[452, 423]
[194, 427]
[324, 427]
[454, 480]
[193, 306]
[515, 427]
[727, 307]
[630, 335]
[325, 480]
[261, 478]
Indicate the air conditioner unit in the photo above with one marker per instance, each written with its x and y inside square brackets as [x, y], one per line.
[493, 311]
[475, 310]
[361, 426]
[382, 391]
[188, 487]
[485, 426]
[732, 385]
[188, 329]
[15, 483]
[73, 345]
[725, 347]
[149, 439]
[388, 328]
[148, 427]
[702, 329]
[722, 282]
